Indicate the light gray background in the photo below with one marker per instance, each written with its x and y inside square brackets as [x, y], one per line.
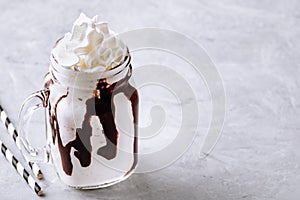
[255, 45]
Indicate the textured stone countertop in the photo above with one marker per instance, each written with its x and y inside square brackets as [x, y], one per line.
[255, 46]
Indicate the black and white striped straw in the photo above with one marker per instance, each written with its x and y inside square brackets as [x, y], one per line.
[14, 134]
[20, 169]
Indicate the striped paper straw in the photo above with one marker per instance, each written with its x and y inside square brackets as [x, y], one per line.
[14, 134]
[20, 169]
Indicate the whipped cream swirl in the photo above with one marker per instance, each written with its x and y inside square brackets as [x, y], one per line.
[90, 47]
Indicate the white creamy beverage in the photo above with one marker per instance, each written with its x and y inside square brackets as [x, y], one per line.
[91, 108]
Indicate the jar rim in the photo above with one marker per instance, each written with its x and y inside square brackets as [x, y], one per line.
[58, 67]
[88, 79]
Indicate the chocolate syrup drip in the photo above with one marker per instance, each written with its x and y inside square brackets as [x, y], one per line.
[81, 143]
[132, 95]
[102, 106]
[63, 150]
[48, 81]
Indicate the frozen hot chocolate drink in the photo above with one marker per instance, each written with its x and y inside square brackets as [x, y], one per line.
[91, 107]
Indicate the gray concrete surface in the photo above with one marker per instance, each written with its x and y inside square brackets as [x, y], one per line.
[255, 45]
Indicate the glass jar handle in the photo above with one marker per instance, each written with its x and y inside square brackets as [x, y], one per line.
[31, 104]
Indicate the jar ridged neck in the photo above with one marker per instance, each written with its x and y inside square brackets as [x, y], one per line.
[70, 78]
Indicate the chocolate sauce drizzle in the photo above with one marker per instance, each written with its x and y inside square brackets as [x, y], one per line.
[102, 106]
